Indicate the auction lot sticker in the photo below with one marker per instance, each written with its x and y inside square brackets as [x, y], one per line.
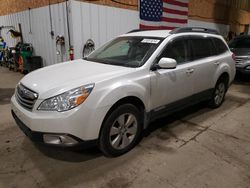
[151, 41]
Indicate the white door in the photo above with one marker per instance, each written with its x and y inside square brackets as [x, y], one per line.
[172, 85]
[205, 63]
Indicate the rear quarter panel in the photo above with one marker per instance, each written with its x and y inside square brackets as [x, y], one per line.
[227, 65]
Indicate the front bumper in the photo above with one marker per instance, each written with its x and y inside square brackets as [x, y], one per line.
[83, 122]
[38, 137]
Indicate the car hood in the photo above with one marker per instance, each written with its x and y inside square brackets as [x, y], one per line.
[241, 51]
[56, 79]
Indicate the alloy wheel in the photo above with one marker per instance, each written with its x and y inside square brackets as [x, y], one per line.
[219, 93]
[123, 131]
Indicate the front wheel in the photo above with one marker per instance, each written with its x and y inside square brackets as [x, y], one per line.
[218, 94]
[121, 130]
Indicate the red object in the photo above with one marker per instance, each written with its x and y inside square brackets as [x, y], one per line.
[71, 53]
[233, 56]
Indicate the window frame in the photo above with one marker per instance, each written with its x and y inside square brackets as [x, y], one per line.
[217, 50]
[169, 43]
[203, 37]
[145, 59]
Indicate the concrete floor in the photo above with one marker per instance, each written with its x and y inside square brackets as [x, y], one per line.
[197, 147]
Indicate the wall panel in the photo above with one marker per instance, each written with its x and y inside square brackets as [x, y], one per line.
[87, 20]
[11, 6]
[40, 38]
[99, 23]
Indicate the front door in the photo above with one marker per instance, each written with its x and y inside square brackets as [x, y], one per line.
[168, 86]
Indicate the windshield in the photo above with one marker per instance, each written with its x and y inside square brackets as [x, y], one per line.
[242, 42]
[126, 51]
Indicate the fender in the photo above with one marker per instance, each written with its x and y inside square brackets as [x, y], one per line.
[121, 90]
[223, 68]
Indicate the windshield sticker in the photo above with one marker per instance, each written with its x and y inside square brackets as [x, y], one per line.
[151, 41]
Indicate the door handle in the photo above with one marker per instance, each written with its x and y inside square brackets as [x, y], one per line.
[190, 71]
[217, 63]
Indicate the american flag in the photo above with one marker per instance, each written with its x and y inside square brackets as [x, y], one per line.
[163, 14]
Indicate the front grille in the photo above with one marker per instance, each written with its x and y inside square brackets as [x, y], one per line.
[26, 97]
[241, 59]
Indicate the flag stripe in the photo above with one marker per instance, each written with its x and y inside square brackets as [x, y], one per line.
[156, 27]
[159, 24]
[163, 14]
[174, 7]
[169, 15]
[151, 23]
[171, 24]
[178, 3]
[167, 10]
[174, 20]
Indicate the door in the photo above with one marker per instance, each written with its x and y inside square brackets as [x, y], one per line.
[171, 85]
[208, 54]
[205, 62]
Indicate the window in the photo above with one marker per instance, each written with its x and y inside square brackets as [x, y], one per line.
[220, 46]
[126, 51]
[178, 50]
[118, 49]
[241, 42]
[202, 47]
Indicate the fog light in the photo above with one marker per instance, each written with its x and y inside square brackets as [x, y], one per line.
[58, 139]
[248, 67]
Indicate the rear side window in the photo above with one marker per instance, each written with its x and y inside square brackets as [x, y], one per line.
[220, 46]
[202, 48]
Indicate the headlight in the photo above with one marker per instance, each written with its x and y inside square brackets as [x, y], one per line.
[67, 100]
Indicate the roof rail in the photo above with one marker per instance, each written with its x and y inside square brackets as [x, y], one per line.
[194, 29]
[138, 30]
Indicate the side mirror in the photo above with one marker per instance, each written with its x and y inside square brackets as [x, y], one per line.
[167, 63]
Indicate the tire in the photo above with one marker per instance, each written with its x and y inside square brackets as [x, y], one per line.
[121, 130]
[218, 93]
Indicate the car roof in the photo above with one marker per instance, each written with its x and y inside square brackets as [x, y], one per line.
[164, 33]
[149, 33]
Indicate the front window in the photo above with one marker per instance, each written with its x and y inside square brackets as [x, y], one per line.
[126, 51]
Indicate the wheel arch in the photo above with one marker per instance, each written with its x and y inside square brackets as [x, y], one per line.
[137, 102]
[225, 76]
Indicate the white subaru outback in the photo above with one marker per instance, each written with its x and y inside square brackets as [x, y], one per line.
[109, 98]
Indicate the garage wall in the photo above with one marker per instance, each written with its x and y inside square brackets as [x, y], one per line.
[11, 6]
[99, 23]
[40, 38]
[222, 28]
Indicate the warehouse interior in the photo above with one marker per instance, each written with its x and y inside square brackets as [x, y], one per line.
[101, 21]
[196, 147]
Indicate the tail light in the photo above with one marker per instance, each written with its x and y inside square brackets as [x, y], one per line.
[233, 56]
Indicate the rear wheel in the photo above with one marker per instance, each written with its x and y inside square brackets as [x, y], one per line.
[219, 93]
[121, 130]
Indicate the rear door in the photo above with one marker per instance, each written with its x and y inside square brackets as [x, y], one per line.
[205, 63]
